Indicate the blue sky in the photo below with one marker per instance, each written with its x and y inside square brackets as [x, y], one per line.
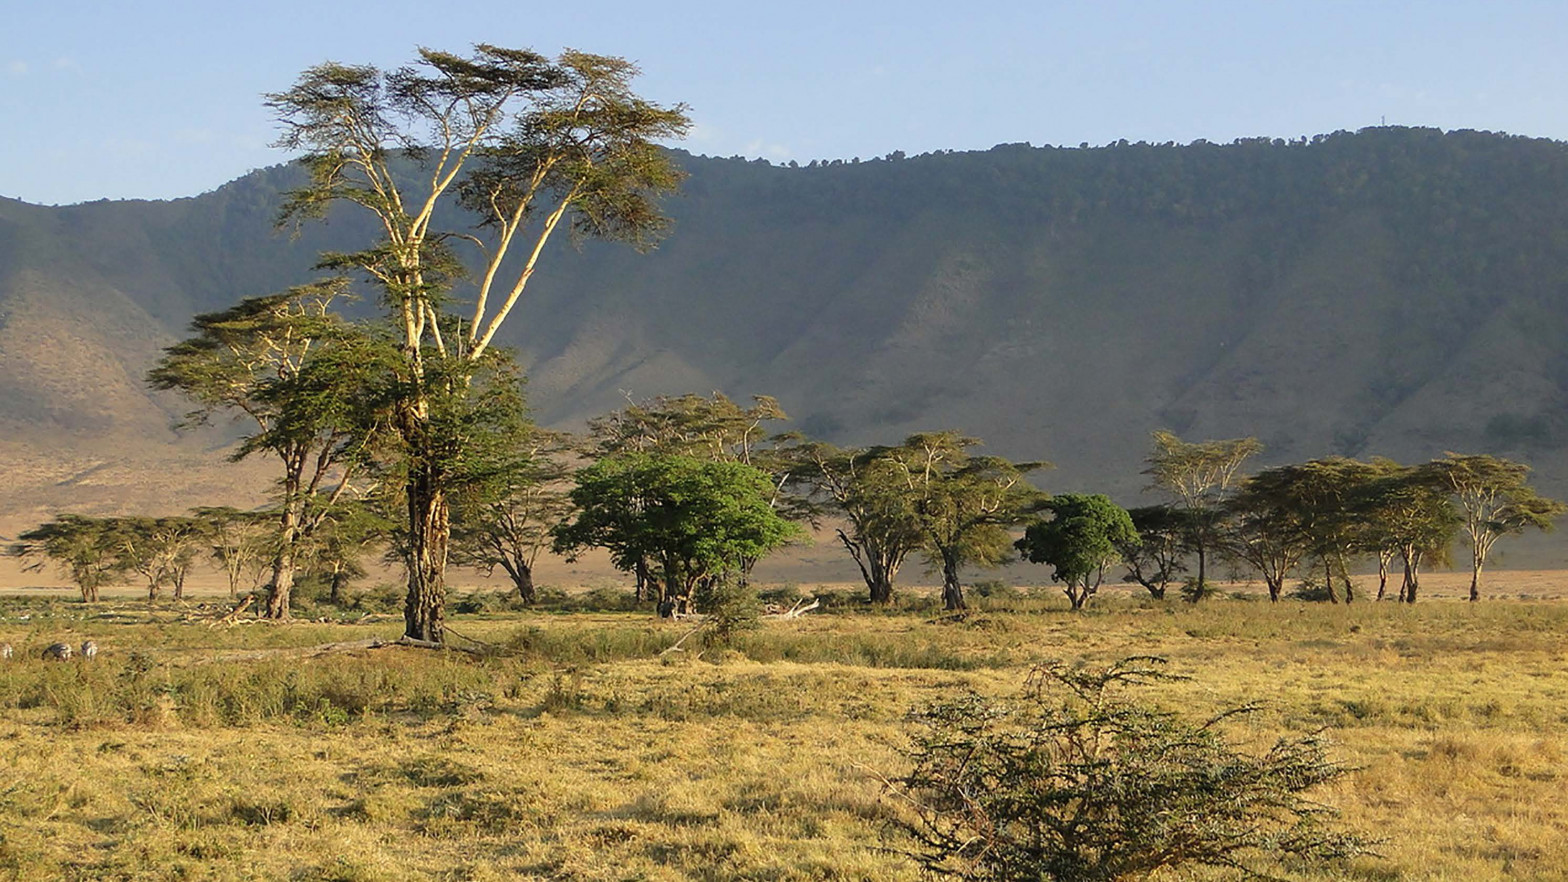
[162, 99]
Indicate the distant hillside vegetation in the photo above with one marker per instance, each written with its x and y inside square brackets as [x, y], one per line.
[1392, 291]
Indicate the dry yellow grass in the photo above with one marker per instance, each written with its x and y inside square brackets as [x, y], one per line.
[586, 755]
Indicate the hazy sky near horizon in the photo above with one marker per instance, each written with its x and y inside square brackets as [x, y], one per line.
[162, 98]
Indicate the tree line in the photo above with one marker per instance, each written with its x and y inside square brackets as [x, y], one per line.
[688, 493]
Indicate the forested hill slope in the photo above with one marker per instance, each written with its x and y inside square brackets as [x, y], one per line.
[1393, 291]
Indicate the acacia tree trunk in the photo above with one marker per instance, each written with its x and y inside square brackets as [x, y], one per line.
[1475, 577]
[1328, 579]
[429, 531]
[875, 569]
[952, 591]
[1412, 582]
[281, 590]
[523, 578]
[335, 586]
[1384, 558]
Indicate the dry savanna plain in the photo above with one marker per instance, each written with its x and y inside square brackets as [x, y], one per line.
[577, 744]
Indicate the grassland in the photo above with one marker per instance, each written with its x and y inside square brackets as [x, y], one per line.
[581, 749]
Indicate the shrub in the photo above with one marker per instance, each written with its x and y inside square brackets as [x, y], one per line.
[1073, 783]
[730, 607]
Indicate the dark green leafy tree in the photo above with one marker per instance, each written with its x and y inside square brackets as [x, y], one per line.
[84, 548]
[1157, 556]
[1199, 475]
[307, 382]
[1075, 783]
[867, 489]
[693, 521]
[964, 504]
[1079, 540]
[713, 428]
[1496, 500]
[1269, 523]
[507, 516]
[527, 144]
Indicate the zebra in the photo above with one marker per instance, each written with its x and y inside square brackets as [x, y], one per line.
[58, 652]
[89, 649]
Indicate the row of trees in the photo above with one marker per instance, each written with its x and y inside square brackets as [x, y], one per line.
[1318, 516]
[98, 552]
[687, 493]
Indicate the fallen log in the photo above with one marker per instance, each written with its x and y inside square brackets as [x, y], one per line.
[795, 611]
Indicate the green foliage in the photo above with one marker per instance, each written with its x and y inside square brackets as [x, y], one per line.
[1073, 782]
[1199, 475]
[868, 489]
[962, 504]
[731, 607]
[1496, 501]
[1081, 539]
[692, 520]
[84, 548]
[1155, 559]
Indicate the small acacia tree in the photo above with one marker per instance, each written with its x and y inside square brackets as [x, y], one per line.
[697, 521]
[866, 488]
[1074, 783]
[1079, 541]
[161, 550]
[1200, 476]
[1496, 501]
[1154, 560]
[505, 518]
[84, 548]
[963, 504]
[1409, 514]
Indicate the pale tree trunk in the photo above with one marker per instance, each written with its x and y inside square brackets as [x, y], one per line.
[1477, 561]
[429, 529]
[875, 570]
[280, 590]
[1328, 579]
[1384, 558]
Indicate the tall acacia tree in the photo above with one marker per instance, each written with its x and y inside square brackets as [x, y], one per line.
[525, 142]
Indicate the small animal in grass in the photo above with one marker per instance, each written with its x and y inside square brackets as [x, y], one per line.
[5, 650]
[58, 652]
[89, 649]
